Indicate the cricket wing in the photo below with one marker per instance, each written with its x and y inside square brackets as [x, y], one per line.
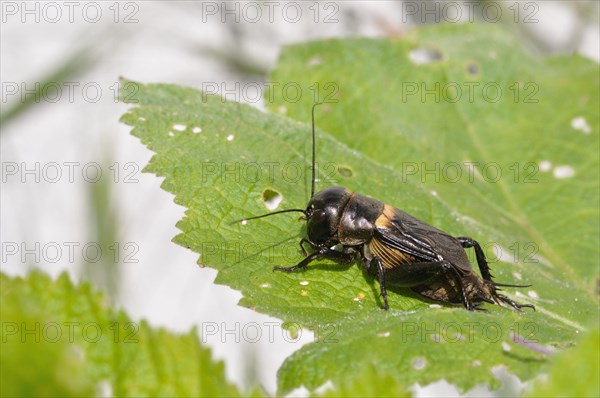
[407, 234]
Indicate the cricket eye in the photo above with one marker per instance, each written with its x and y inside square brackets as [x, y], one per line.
[309, 211]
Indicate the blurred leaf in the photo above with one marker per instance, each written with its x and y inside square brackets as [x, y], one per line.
[63, 340]
[574, 372]
[46, 86]
[104, 226]
[220, 159]
[234, 59]
[371, 382]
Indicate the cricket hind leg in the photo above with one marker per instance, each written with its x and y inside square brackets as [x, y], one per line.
[482, 261]
[488, 277]
[484, 268]
[399, 274]
[418, 275]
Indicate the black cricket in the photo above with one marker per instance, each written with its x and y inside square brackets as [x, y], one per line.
[395, 247]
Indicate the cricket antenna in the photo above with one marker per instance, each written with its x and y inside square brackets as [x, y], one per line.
[269, 214]
[312, 189]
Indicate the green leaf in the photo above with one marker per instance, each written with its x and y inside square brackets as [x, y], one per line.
[63, 340]
[548, 223]
[221, 159]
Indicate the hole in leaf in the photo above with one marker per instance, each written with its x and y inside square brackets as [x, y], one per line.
[345, 171]
[360, 297]
[314, 61]
[472, 68]
[579, 123]
[545, 165]
[104, 388]
[518, 275]
[564, 171]
[271, 198]
[419, 363]
[422, 56]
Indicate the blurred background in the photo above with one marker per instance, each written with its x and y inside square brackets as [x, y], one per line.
[73, 195]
